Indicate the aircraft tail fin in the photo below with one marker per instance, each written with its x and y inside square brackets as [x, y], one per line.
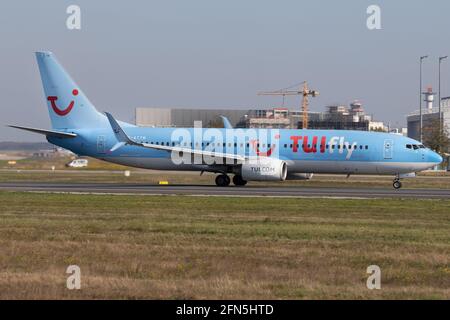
[68, 106]
[226, 123]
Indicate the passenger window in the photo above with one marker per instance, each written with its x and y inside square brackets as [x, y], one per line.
[367, 147]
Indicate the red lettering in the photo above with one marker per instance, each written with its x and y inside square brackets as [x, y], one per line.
[295, 140]
[313, 147]
[323, 141]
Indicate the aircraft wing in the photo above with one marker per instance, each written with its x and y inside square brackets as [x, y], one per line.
[124, 139]
[49, 133]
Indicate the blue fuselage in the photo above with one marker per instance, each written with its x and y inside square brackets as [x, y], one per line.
[315, 151]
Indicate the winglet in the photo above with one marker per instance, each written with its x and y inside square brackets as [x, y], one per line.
[121, 136]
[226, 123]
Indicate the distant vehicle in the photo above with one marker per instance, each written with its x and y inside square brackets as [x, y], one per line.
[78, 163]
[249, 155]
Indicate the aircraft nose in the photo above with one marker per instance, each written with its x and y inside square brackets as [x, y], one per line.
[434, 157]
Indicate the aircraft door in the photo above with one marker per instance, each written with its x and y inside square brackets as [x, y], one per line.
[101, 144]
[388, 148]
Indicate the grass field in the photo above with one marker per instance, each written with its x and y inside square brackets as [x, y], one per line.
[132, 247]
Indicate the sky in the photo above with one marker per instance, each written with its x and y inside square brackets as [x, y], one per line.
[219, 54]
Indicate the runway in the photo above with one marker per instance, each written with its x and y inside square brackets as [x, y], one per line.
[206, 190]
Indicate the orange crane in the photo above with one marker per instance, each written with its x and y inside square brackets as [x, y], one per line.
[304, 91]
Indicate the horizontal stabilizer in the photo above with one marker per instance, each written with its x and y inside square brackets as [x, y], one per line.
[48, 133]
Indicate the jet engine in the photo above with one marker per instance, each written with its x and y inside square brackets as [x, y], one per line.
[264, 169]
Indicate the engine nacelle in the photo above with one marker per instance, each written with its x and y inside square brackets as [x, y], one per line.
[265, 169]
[299, 176]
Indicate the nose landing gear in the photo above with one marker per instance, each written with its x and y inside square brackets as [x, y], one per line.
[397, 184]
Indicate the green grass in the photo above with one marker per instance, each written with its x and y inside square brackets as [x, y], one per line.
[218, 247]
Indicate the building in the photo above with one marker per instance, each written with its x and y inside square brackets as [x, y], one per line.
[267, 118]
[430, 114]
[168, 117]
[52, 153]
[342, 117]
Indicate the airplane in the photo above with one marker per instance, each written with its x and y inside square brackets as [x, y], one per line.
[283, 155]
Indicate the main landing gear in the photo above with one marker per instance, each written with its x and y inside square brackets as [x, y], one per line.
[222, 180]
[397, 184]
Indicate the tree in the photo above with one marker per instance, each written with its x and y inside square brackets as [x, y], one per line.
[435, 139]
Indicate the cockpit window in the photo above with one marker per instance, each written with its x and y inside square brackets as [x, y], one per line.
[408, 146]
[415, 146]
[421, 146]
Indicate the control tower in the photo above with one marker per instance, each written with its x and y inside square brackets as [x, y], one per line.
[429, 98]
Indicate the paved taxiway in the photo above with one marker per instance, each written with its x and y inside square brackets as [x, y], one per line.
[206, 190]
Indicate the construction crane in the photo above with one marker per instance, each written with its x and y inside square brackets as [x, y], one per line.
[304, 91]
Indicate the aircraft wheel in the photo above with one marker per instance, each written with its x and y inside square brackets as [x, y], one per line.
[238, 181]
[222, 180]
[397, 184]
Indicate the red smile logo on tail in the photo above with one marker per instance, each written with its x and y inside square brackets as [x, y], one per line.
[58, 111]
